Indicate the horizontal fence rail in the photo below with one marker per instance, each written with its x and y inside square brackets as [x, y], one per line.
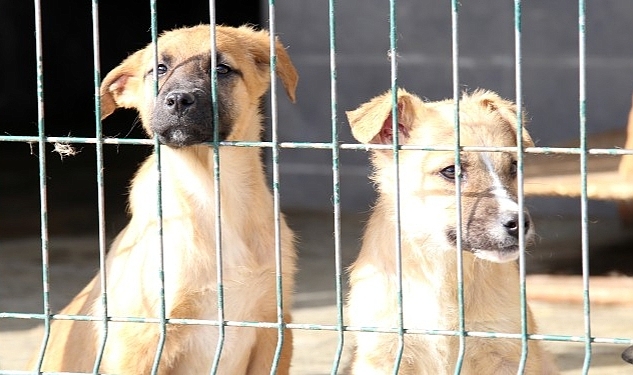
[326, 145]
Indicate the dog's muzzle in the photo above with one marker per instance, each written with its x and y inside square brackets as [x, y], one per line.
[496, 241]
[510, 223]
[183, 118]
[178, 102]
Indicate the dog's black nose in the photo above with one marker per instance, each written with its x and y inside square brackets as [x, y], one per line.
[627, 354]
[511, 224]
[178, 101]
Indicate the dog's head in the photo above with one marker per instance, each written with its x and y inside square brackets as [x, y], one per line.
[181, 113]
[490, 213]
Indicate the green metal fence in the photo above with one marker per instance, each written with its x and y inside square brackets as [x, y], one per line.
[335, 146]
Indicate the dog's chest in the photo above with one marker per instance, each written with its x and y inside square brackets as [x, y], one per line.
[422, 308]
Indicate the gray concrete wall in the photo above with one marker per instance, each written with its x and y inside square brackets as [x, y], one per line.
[550, 76]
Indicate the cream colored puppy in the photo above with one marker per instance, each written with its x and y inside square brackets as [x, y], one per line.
[489, 230]
[181, 115]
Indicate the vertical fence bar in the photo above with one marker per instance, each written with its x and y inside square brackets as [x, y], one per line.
[159, 200]
[518, 74]
[336, 197]
[458, 186]
[275, 189]
[217, 197]
[218, 206]
[100, 184]
[42, 181]
[393, 54]
[582, 99]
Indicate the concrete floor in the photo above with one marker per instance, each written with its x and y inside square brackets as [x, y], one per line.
[73, 261]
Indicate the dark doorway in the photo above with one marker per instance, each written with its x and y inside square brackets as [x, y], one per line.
[69, 105]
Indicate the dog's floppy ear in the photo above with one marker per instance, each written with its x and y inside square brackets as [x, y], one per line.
[507, 110]
[285, 69]
[372, 121]
[121, 87]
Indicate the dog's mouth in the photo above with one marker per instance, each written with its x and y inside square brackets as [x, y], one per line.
[183, 117]
[503, 255]
[178, 136]
[484, 247]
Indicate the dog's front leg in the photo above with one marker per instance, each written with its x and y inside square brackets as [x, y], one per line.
[376, 355]
[260, 362]
[187, 350]
[201, 346]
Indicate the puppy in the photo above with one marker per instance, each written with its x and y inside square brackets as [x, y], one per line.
[489, 234]
[182, 118]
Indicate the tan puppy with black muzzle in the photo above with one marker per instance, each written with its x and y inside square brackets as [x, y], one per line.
[490, 239]
[182, 118]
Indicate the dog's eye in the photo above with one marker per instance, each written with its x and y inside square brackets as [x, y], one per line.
[160, 69]
[513, 168]
[449, 172]
[222, 69]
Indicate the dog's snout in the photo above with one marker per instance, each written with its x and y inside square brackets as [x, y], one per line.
[178, 101]
[511, 224]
